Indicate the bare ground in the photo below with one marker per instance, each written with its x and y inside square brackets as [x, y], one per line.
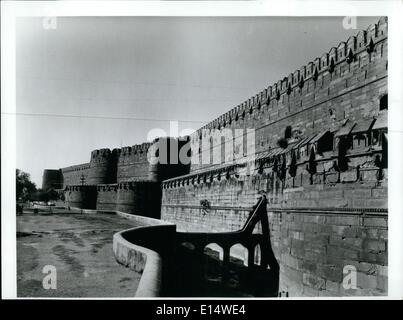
[80, 247]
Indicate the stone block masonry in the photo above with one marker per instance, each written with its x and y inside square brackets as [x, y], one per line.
[313, 235]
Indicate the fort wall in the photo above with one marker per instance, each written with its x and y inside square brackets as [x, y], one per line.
[132, 163]
[348, 82]
[52, 179]
[319, 154]
[326, 185]
[165, 158]
[81, 196]
[102, 167]
[106, 197]
[73, 175]
[316, 230]
[142, 198]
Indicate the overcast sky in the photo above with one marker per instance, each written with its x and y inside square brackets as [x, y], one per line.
[106, 82]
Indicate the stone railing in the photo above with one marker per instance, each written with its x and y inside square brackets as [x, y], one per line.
[147, 249]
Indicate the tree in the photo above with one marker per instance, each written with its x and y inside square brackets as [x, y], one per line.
[24, 186]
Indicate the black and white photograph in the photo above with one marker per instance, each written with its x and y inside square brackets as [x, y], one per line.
[201, 156]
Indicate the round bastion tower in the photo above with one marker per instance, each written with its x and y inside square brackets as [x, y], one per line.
[102, 167]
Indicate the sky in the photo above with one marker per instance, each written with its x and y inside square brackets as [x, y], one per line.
[105, 82]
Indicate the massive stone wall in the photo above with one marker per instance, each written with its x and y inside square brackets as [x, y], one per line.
[124, 179]
[130, 164]
[316, 230]
[74, 175]
[326, 184]
[348, 82]
[317, 244]
[106, 197]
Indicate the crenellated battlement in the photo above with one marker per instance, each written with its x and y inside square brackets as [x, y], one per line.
[346, 52]
[318, 95]
[133, 151]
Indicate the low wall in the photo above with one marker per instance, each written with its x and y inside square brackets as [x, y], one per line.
[147, 249]
[142, 260]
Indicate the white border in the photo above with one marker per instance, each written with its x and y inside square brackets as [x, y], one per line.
[12, 9]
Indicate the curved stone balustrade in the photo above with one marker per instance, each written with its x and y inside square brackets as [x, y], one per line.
[140, 259]
[147, 249]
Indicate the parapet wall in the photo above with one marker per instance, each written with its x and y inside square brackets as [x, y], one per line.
[148, 250]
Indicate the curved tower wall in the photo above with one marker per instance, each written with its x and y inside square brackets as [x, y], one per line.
[106, 197]
[139, 197]
[83, 197]
[165, 158]
[52, 179]
[102, 167]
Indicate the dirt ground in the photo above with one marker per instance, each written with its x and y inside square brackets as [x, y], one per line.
[80, 247]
